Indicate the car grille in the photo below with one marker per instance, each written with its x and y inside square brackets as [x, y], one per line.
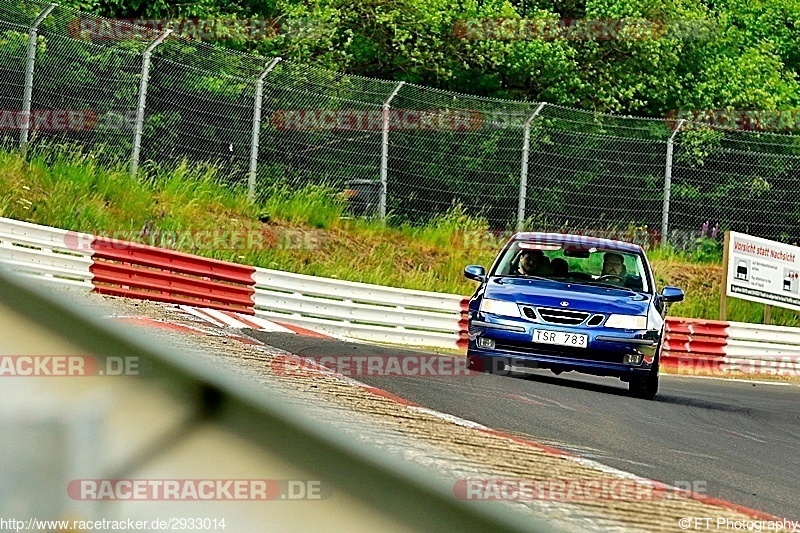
[596, 320]
[562, 317]
[529, 312]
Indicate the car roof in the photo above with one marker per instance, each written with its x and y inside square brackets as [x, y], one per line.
[579, 241]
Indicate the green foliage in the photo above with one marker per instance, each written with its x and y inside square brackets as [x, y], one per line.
[707, 250]
[682, 54]
[441, 229]
[732, 54]
[319, 206]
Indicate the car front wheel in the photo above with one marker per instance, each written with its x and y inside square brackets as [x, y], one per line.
[645, 387]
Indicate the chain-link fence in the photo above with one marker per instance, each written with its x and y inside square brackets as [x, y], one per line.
[138, 96]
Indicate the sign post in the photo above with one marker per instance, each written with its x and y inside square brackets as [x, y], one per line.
[723, 288]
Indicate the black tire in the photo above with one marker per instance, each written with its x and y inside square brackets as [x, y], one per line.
[645, 387]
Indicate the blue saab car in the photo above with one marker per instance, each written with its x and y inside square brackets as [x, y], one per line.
[569, 302]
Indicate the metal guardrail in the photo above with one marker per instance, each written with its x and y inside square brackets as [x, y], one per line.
[363, 311]
[737, 339]
[341, 308]
[44, 253]
[761, 333]
[134, 270]
[721, 347]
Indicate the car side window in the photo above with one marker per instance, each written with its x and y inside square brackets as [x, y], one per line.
[508, 262]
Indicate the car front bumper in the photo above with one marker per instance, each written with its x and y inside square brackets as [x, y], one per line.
[604, 355]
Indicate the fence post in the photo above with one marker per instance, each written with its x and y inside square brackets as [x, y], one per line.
[523, 177]
[668, 184]
[385, 150]
[251, 176]
[137, 136]
[33, 35]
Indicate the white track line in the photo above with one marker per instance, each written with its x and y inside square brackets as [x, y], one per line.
[449, 418]
[228, 320]
[260, 323]
[233, 320]
[202, 316]
[736, 380]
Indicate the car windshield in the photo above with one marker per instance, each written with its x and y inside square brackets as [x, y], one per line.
[565, 262]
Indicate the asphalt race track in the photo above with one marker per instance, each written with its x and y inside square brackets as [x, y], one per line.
[733, 440]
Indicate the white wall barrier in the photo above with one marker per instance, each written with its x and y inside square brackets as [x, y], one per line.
[48, 254]
[759, 334]
[361, 310]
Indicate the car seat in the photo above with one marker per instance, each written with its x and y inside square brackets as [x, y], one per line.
[559, 268]
[543, 268]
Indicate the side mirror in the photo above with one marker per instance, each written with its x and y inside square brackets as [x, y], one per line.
[475, 273]
[672, 294]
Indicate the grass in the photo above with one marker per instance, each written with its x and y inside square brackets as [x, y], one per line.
[188, 209]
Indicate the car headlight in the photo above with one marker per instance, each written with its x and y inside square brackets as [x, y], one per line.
[499, 307]
[626, 322]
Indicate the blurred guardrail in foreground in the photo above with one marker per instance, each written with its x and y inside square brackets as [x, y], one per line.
[184, 420]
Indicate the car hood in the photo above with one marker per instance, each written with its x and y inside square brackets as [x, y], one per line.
[549, 293]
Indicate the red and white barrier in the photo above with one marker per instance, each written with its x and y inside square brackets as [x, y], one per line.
[335, 307]
[133, 270]
[219, 288]
[718, 347]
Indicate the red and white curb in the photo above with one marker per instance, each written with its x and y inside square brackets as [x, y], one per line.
[231, 319]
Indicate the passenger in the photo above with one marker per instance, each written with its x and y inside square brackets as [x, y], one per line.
[530, 262]
[559, 268]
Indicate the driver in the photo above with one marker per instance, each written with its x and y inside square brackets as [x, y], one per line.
[531, 262]
[614, 265]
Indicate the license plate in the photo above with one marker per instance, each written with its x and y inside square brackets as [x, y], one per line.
[561, 338]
